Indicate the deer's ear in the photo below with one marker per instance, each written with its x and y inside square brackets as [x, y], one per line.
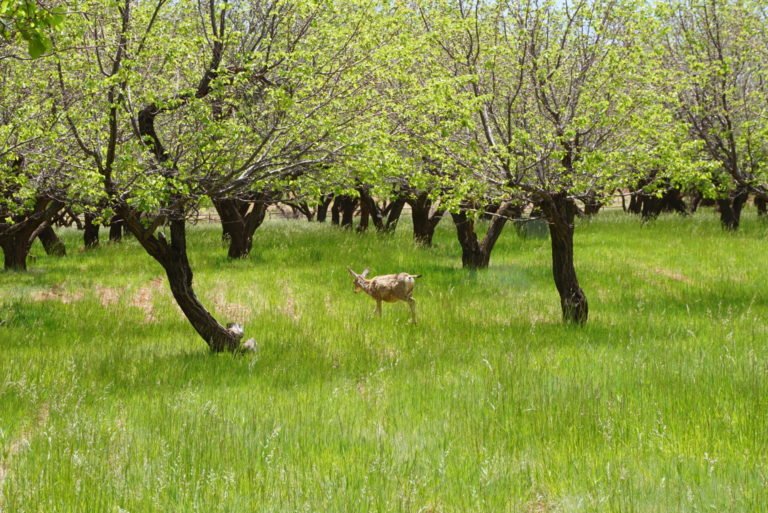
[352, 272]
[365, 272]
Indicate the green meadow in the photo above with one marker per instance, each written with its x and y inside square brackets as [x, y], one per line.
[109, 401]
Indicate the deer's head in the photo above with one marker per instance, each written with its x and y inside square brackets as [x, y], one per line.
[359, 279]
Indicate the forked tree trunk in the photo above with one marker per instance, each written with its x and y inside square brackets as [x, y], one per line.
[173, 258]
[393, 212]
[369, 210]
[424, 220]
[16, 239]
[51, 242]
[592, 205]
[476, 254]
[730, 209]
[344, 205]
[90, 231]
[560, 212]
[239, 220]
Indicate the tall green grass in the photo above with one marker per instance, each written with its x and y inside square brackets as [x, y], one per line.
[110, 402]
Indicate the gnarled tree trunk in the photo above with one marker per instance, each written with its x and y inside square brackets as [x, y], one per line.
[730, 209]
[52, 244]
[560, 212]
[344, 205]
[116, 225]
[16, 239]
[476, 254]
[239, 221]
[90, 231]
[393, 212]
[761, 203]
[424, 219]
[322, 207]
[369, 209]
[173, 258]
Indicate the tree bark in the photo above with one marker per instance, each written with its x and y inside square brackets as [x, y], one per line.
[239, 220]
[322, 208]
[90, 231]
[369, 210]
[16, 239]
[344, 205]
[591, 205]
[477, 254]
[52, 244]
[560, 212]
[761, 203]
[394, 211]
[424, 220]
[116, 225]
[15, 251]
[730, 209]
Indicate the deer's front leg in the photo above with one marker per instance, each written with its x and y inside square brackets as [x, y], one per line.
[412, 304]
[377, 310]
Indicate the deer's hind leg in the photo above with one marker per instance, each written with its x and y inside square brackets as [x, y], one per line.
[377, 310]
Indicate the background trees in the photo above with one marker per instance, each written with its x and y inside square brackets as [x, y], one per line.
[146, 111]
[249, 97]
[717, 50]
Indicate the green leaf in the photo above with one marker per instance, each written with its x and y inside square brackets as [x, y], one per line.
[37, 46]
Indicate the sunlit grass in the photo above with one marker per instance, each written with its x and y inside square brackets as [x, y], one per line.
[110, 402]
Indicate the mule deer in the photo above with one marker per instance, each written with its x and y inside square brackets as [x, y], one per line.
[388, 287]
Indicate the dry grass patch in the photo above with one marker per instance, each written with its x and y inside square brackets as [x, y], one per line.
[143, 298]
[57, 293]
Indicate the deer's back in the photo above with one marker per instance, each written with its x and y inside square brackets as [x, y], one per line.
[392, 287]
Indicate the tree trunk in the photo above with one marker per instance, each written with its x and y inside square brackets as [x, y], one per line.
[369, 210]
[591, 205]
[344, 205]
[477, 254]
[173, 258]
[16, 239]
[424, 220]
[322, 208]
[116, 225]
[394, 211]
[15, 251]
[761, 203]
[560, 212]
[90, 231]
[52, 244]
[239, 220]
[730, 209]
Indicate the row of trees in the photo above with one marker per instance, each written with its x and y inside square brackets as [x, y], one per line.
[144, 111]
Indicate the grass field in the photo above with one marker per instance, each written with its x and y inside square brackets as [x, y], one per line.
[109, 402]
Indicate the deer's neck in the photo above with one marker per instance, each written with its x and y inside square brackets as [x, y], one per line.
[365, 285]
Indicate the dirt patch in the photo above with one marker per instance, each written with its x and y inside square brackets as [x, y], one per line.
[107, 295]
[673, 275]
[57, 293]
[143, 297]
